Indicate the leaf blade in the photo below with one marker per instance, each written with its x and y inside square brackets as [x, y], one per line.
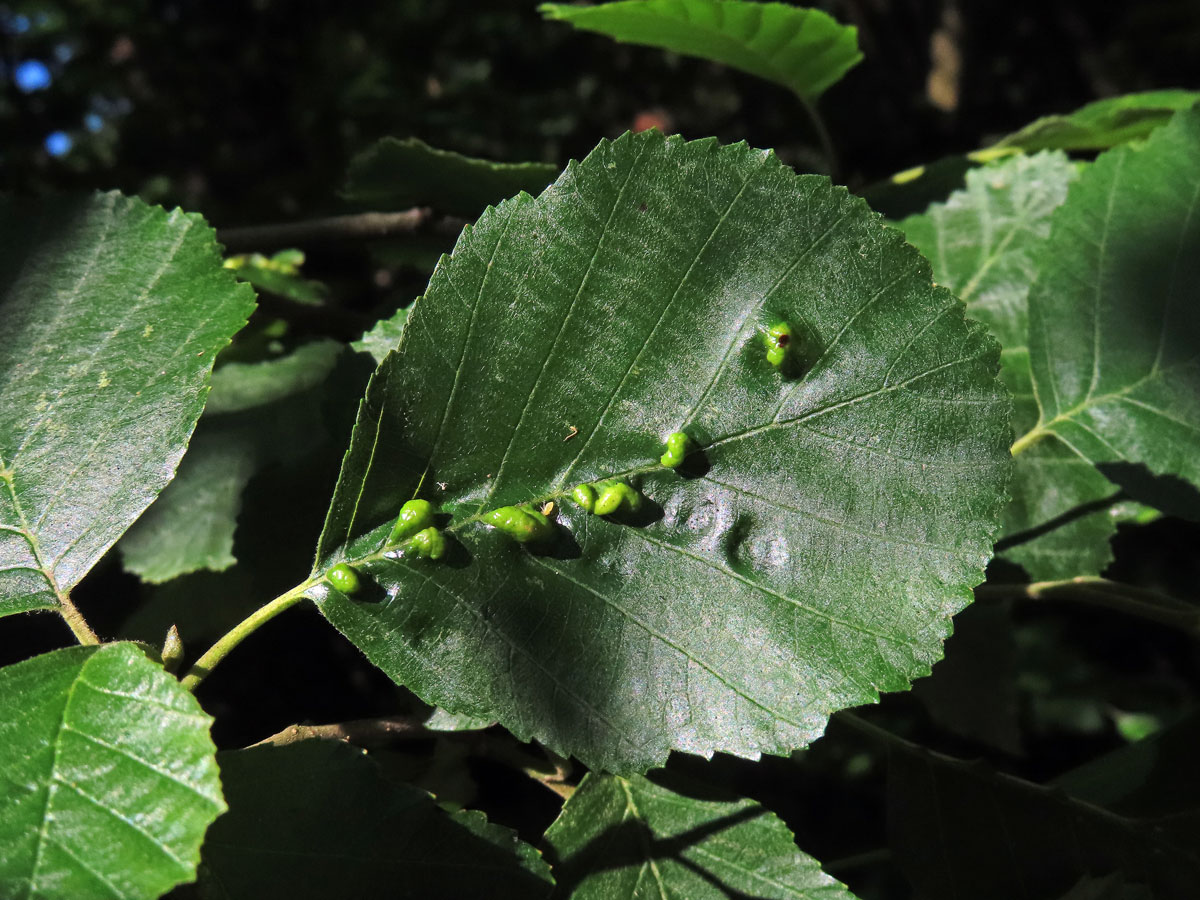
[101, 748]
[1113, 313]
[615, 834]
[805, 50]
[100, 391]
[565, 643]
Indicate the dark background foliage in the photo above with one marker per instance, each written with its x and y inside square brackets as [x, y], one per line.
[250, 111]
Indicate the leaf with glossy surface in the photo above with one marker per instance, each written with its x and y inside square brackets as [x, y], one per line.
[396, 174]
[1114, 316]
[108, 778]
[809, 555]
[805, 50]
[632, 837]
[1104, 123]
[984, 244]
[113, 312]
[317, 819]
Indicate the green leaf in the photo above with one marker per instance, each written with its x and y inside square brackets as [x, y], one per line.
[108, 778]
[1102, 124]
[397, 174]
[805, 50]
[1114, 316]
[973, 691]
[316, 819]
[113, 312]
[192, 523]
[984, 244]
[384, 337]
[279, 275]
[626, 838]
[962, 830]
[806, 557]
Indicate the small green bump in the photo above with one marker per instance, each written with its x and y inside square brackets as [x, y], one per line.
[585, 496]
[678, 447]
[778, 339]
[615, 495]
[520, 523]
[343, 578]
[428, 543]
[414, 516]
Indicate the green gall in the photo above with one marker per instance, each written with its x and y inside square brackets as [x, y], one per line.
[778, 339]
[428, 543]
[172, 650]
[678, 447]
[414, 516]
[520, 523]
[616, 495]
[343, 578]
[584, 495]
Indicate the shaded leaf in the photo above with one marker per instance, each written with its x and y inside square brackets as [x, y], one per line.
[962, 830]
[1114, 327]
[113, 312]
[279, 275]
[984, 244]
[316, 819]
[626, 838]
[396, 174]
[108, 778]
[384, 337]
[1102, 124]
[805, 50]
[192, 523]
[807, 556]
[973, 691]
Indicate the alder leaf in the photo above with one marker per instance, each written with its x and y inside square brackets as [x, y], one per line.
[396, 174]
[317, 819]
[1114, 315]
[108, 778]
[807, 556]
[113, 311]
[624, 838]
[805, 50]
[1102, 124]
[984, 244]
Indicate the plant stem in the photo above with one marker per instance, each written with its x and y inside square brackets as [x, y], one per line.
[316, 231]
[1026, 441]
[827, 149]
[75, 621]
[1149, 605]
[239, 633]
[360, 732]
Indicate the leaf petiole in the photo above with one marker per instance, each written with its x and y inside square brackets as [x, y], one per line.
[218, 651]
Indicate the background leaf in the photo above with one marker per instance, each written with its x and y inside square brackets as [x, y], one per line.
[984, 244]
[805, 50]
[246, 425]
[1103, 124]
[384, 337]
[1114, 316]
[316, 819]
[626, 838]
[809, 555]
[962, 830]
[108, 777]
[397, 174]
[113, 312]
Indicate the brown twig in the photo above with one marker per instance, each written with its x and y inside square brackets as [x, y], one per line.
[360, 732]
[356, 226]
